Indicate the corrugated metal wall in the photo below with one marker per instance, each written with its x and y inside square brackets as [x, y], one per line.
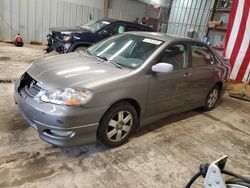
[189, 14]
[126, 9]
[33, 18]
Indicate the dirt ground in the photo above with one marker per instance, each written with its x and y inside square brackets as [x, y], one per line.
[164, 154]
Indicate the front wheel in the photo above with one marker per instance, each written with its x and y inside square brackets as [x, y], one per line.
[117, 124]
[212, 98]
[79, 48]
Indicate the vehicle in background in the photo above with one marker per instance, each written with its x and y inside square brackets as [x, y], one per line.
[70, 39]
[118, 85]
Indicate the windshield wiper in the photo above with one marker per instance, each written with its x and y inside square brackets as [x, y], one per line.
[116, 64]
[88, 52]
[103, 58]
[93, 55]
[110, 61]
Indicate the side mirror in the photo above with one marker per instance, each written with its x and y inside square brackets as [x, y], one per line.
[162, 68]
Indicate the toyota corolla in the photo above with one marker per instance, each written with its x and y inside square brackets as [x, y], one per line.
[118, 85]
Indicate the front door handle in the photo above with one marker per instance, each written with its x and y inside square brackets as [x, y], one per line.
[187, 75]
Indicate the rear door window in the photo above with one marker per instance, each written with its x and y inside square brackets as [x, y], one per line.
[201, 55]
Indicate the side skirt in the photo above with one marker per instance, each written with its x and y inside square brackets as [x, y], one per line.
[148, 120]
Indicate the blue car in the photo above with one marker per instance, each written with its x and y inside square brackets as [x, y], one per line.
[70, 39]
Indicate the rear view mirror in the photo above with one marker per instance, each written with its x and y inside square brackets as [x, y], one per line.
[162, 68]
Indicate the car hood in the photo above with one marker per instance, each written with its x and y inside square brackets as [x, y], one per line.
[67, 30]
[74, 70]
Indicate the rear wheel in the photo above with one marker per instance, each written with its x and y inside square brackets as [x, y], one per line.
[212, 98]
[117, 124]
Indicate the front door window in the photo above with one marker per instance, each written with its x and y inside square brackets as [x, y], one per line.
[175, 55]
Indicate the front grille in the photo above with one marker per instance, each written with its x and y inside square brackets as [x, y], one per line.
[56, 35]
[33, 91]
[29, 85]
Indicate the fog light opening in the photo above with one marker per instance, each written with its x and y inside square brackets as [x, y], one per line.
[60, 133]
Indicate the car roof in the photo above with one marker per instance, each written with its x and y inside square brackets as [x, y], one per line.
[163, 36]
[126, 22]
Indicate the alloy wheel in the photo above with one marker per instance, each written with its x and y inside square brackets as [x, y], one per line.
[119, 126]
[212, 98]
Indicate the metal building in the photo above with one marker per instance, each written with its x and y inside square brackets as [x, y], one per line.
[189, 14]
[33, 18]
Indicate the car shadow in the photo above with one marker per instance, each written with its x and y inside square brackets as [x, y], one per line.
[89, 149]
[167, 120]
[173, 118]
[85, 151]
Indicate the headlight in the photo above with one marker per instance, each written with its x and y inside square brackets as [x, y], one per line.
[67, 38]
[68, 96]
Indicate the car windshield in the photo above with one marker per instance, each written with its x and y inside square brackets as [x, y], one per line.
[94, 26]
[127, 50]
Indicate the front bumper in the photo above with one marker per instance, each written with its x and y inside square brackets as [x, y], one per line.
[57, 44]
[60, 125]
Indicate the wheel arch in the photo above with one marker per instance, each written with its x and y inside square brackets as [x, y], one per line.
[134, 103]
[78, 44]
[220, 84]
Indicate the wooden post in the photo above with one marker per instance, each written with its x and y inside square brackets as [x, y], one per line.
[159, 20]
[159, 13]
[106, 8]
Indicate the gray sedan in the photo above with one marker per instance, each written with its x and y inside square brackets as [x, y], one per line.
[118, 85]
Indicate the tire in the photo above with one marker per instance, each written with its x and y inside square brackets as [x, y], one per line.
[79, 48]
[117, 124]
[212, 98]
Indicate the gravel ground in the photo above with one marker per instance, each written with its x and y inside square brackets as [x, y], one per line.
[14, 60]
[164, 154]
